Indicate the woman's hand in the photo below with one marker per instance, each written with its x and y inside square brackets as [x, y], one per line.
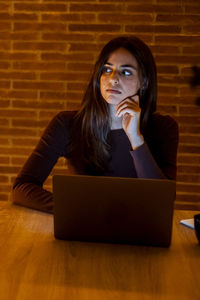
[130, 112]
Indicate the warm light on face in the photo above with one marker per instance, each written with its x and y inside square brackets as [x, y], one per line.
[120, 77]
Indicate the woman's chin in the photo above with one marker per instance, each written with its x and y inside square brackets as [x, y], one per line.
[113, 100]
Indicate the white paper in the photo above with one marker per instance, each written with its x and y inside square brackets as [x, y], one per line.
[188, 222]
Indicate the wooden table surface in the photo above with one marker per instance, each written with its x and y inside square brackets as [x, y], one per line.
[36, 266]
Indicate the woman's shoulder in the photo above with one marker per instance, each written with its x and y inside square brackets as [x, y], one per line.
[161, 125]
[158, 119]
[63, 119]
[66, 115]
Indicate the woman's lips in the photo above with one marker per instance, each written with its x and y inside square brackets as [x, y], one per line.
[112, 91]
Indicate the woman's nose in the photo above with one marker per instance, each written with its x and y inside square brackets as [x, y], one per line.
[115, 77]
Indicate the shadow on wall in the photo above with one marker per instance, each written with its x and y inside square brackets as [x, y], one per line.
[195, 80]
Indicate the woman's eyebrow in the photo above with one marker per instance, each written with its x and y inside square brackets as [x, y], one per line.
[122, 66]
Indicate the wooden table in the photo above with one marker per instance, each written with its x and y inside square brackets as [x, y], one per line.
[36, 266]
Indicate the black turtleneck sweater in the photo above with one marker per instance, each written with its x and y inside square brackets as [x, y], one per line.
[156, 158]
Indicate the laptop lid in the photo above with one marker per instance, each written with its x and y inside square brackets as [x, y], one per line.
[113, 209]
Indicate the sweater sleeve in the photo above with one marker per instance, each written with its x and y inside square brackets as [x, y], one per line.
[160, 161]
[28, 186]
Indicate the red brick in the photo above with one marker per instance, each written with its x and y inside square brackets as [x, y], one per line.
[188, 188]
[54, 7]
[28, 95]
[4, 26]
[30, 142]
[66, 17]
[166, 69]
[190, 91]
[188, 178]
[94, 27]
[193, 29]
[96, 7]
[23, 56]
[3, 179]
[19, 36]
[39, 105]
[169, 90]
[189, 110]
[39, 46]
[67, 57]
[24, 17]
[125, 18]
[18, 161]
[17, 113]
[4, 65]
[67, 37]
[105, 37]
[73, 105]
[85, 47]
[189, 149]
[4, 197]
[9, 170]
[4, 103]
[47, 115]
[64, 76]
[169, 109]
[38, 85]
[191, 50]
[189, 139]
[5, 45]
[18, 75]
[40, 66]
[187, 159]
[192, 201]
[178, 19]
[188, 169]
[29, 123]
[4, 55]
[177, 59]
[4, 160]
[165, 49]
[177, 39]
[177, 99]
[73, 66]
[18, 132]
[115, 1]
[188, 119]
[169, 8]
[21, 26]
[153, 28]
[4, 123]
[61, 96]
[193, 9]
[4, 141]
[183, 80]
[4, 6]
[4, 188]
[189, 129]
[72, 86]
[4, 84]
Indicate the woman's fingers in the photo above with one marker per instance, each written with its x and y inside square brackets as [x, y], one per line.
[127, 106]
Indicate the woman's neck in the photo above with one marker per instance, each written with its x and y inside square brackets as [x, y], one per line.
[116, 122]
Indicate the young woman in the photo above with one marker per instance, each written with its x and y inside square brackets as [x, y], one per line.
[116, 131]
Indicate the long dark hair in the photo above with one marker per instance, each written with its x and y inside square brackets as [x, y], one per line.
[92, 121]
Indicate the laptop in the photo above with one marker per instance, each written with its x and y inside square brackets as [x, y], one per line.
[113, 210]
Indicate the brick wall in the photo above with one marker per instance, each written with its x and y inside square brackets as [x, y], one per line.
[47, 51]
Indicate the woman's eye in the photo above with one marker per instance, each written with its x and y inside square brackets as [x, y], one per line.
[107, 70]
[126, 73]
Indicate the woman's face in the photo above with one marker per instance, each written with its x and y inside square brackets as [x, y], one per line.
[120, 77]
